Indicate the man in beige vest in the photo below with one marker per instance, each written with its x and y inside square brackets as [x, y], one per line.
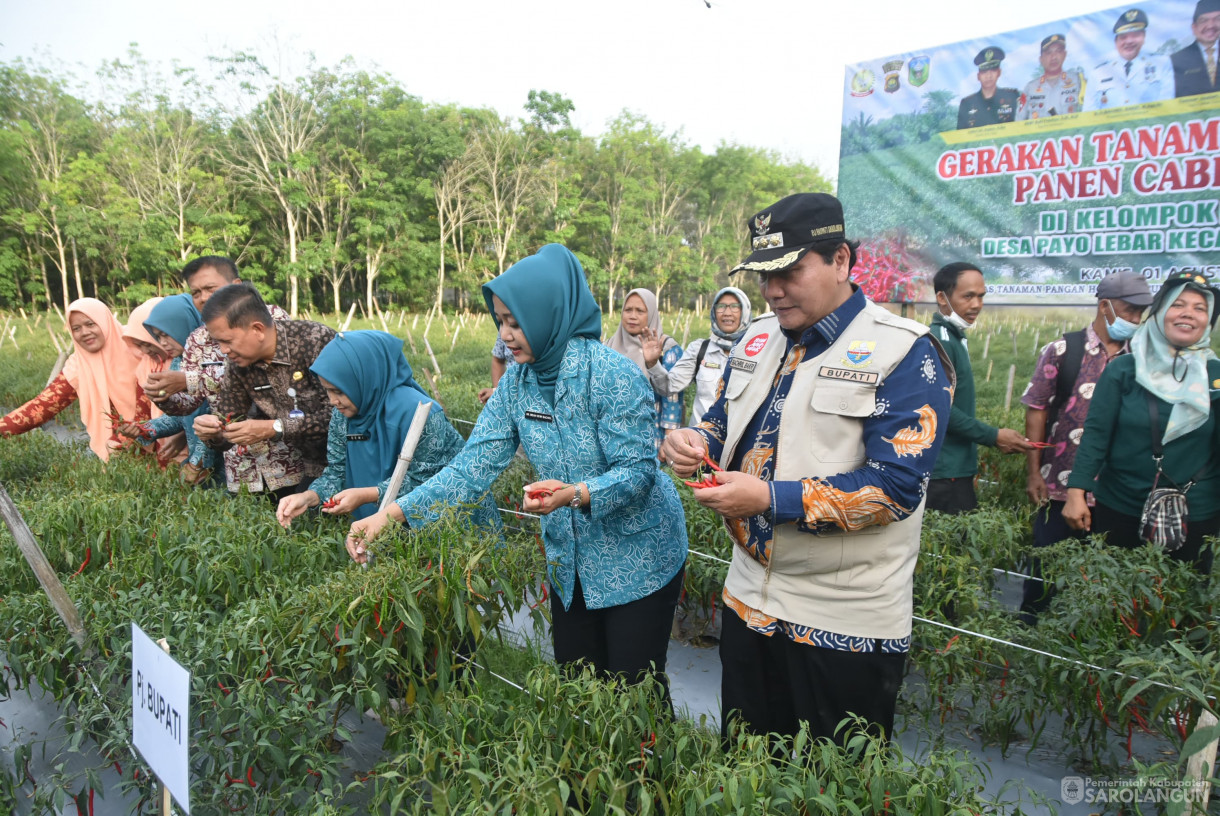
[828, 419]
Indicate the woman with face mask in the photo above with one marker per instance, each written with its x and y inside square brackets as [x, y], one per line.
[1171, 374]
[612, 523]
[639, 338]
[704, 360]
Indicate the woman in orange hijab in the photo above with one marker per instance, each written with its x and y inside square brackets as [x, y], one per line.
[101, 374]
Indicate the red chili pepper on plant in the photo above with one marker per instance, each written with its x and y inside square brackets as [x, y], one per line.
[88, 555]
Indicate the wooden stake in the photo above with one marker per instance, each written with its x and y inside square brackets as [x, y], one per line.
[986, 346]
[435, 365]
[167, 807]
[436, 392]
[1199, 766]
[1014, 343]
[62, 319]
[1037, 332]
[401, 315]
[42, 569]
[1012, 373]
[411, 342]
[58, 367]
[415, 321]
[990, 365]
[414, 432]
[350, 312]
[456, 331]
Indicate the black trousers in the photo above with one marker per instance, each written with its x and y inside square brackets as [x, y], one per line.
[1124, 531]
[952, 496]
[630, 640]
[772, 684]
[1049, 528]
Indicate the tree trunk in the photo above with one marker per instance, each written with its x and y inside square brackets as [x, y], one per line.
[372, 266]
[80, 289]
[294, 281]
[440, 280]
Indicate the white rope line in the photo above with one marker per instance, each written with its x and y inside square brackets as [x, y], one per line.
[980, 635]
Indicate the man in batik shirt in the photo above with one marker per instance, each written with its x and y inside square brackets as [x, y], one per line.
[830, 415]
[269, 393]
[263, 466]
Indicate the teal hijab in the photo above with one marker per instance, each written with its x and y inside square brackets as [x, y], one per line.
[371, 371]
[176, 316]
[1176, 375]
[549, 298]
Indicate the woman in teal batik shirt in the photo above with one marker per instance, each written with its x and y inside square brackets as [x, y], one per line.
[611, 520]
[374, 395]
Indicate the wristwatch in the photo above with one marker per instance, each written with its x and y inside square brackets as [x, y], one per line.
[277, 425]
[575, 496]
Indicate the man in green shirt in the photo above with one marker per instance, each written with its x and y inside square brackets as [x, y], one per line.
[959, 291]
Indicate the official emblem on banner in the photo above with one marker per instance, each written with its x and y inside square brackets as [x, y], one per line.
[862, 83]
[859, 352]
[917, 70]
[891, 70]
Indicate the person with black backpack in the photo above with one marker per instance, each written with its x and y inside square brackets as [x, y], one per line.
[1057, 402]
[704, 360]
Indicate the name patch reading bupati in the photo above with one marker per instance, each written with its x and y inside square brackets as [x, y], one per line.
[868, 377]
[539, 417]
[741, 365]
[357, 437]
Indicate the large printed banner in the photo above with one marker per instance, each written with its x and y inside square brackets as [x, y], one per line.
[1049, 156]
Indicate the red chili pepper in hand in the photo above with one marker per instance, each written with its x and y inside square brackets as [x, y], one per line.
[707, 460]
[545, 492]
[707, 481]
[329, 503]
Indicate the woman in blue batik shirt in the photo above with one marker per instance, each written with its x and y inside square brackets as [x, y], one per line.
[374, 395]
[611, 521]
[639, 338]
[170, 322]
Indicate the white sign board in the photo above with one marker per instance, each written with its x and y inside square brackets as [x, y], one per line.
[160, 714]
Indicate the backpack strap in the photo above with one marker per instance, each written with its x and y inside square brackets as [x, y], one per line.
[702, 351]
[1069, 371]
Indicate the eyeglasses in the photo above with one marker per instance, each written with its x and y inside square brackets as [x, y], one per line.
[727, 307]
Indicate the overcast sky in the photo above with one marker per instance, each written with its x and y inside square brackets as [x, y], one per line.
[767, 73]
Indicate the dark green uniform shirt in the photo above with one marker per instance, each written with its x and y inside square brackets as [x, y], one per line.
[1116, 449]
[976, 110]
[959, 455]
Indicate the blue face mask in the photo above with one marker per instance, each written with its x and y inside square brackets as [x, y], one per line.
[1120, 330]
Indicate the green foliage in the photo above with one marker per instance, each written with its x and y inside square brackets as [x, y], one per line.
[339, 186]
